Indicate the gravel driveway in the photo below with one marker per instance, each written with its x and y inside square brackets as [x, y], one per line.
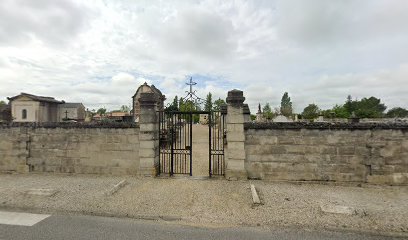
[212, 202]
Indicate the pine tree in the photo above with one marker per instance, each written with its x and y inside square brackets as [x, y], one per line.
[208, 105]
[286, 105]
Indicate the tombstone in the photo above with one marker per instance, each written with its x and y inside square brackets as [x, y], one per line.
[259, 115]
[353, 118]
[281, 118]
[320, 119]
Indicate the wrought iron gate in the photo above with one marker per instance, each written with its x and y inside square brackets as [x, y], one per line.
[217, 140]
[175, 132]
[176, 142]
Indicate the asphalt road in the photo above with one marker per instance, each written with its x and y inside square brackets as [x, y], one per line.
[93, 227]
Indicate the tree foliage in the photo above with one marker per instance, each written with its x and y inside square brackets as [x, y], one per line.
[175, 103]
[101, 111]
[208, 105]
[397, 112]
[286, 105]
[174, 106]
[125, 108]
[188, 106]
[349, 106]
[218, 103]
[312, 111]
[370, 108]
[338, 111]
[365, 108]
[267, 112]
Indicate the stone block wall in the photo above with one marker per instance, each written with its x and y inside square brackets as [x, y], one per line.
[106, 150]
[13, 150]
[373, 153]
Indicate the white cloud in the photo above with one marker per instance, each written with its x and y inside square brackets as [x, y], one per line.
[53, 22]
[98, 52]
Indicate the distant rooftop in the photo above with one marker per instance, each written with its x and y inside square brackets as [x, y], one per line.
[37, 98]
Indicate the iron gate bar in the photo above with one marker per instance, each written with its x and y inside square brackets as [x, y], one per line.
[172, 146]
[209, 145]
[191, 144]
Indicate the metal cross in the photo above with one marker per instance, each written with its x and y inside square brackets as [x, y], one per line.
[191, 83]
[191, 95]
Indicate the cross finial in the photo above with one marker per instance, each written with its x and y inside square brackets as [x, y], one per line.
[191, 83]
[191, 95]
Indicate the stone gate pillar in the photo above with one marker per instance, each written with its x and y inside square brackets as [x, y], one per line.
[235, 154]
[148, 136]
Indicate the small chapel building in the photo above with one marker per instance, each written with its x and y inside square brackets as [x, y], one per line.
[32, 108]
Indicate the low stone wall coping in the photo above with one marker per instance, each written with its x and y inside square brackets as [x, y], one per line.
[325, 125]
[71, 125]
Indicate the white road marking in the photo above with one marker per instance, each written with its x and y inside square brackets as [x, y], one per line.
[21, 219]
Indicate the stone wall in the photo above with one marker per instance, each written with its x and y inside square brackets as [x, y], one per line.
[70, 149]
[13, 149]
[373, 153]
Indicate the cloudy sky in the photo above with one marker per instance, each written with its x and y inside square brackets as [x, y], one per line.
[99, 51]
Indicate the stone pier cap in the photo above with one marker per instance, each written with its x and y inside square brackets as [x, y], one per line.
[235, 97]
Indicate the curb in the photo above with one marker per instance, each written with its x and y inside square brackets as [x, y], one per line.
[255, 198]
[116, 188]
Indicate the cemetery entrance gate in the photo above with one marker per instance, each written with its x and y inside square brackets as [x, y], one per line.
[176, 142]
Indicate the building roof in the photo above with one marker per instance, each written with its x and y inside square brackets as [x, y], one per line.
[152, 88]
[71, 105]
[36, 98]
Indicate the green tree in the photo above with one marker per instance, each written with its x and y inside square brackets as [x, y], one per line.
[312, 111]
[101, 111]
[286, 105]
[188, 106]
[174, 106]
[208, 105]
[350, 106]
[175, 103]
[365, 108]
[218, 103]
[370, 108]
[397, 112]
[338, 111]
[267, 112]
[125, 108]
[2, 103]
[181, 104]
[328, 113]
